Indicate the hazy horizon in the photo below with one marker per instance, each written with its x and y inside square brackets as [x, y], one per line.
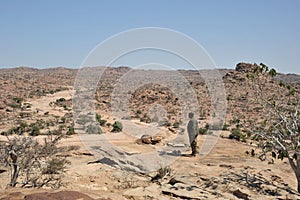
[47, 34]
[187, 69]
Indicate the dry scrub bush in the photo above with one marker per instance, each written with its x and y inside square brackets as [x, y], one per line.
[33, 163]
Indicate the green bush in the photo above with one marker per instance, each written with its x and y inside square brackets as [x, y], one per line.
[202, 131]
[60, 100]
[117, 127]
[55, 165]
[236, 134]
[176, 124]
[102, 122]
[207, 126]
[71, 130]
[98, 117]
[225, 127]
[35, 131]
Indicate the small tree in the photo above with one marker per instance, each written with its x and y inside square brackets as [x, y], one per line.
[33, 163]
[279, 132]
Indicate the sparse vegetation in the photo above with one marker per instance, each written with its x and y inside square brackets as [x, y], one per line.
[117, 127]
[161, 173]
[157, 103]
[71, 130]
[237, 134]
[176, 124]
[203, 131]
[278, 132]
[101, 121]
[35, 130]
[33, 163]
[145, 119]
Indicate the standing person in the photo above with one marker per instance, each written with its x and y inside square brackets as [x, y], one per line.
[193, 130]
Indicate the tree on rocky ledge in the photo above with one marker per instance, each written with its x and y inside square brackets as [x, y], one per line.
[33, 163]
[278, 134]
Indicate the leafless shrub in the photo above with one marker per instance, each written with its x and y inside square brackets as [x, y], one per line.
[161, 173]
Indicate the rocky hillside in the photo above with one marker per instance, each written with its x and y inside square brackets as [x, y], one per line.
[37, 102]
[164, 91]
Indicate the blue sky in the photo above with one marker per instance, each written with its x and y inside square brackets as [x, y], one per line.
[62, 32]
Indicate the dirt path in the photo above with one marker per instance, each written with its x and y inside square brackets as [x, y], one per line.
[42, 105]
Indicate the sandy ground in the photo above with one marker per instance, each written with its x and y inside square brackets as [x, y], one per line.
[42, 104]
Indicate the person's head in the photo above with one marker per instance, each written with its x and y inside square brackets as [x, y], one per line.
[191, 115]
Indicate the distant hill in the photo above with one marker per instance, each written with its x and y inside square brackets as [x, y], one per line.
[289, 78]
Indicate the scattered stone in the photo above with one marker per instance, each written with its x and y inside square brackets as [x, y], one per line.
[87, 154]
[185, 191]
[161, 173]
[151, 192]
[204, 179]
[9, 110]
[172, 130]
[176, 145]
[173, 181]
[139, 141]
[83, 153]
[241, 195]
[210, 164]
[226, 166]
[147, 139]
[156, 139]
[214, 186]
[271, 190]
[171, 153]
[276, 178]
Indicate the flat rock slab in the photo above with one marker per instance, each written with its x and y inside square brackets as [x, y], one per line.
[63, 195]
[151, 192]
[185, 191]
[176, 144]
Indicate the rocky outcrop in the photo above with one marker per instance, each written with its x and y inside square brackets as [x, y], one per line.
[245, 67]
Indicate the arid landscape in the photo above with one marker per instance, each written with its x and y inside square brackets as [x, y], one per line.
[108, 156]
